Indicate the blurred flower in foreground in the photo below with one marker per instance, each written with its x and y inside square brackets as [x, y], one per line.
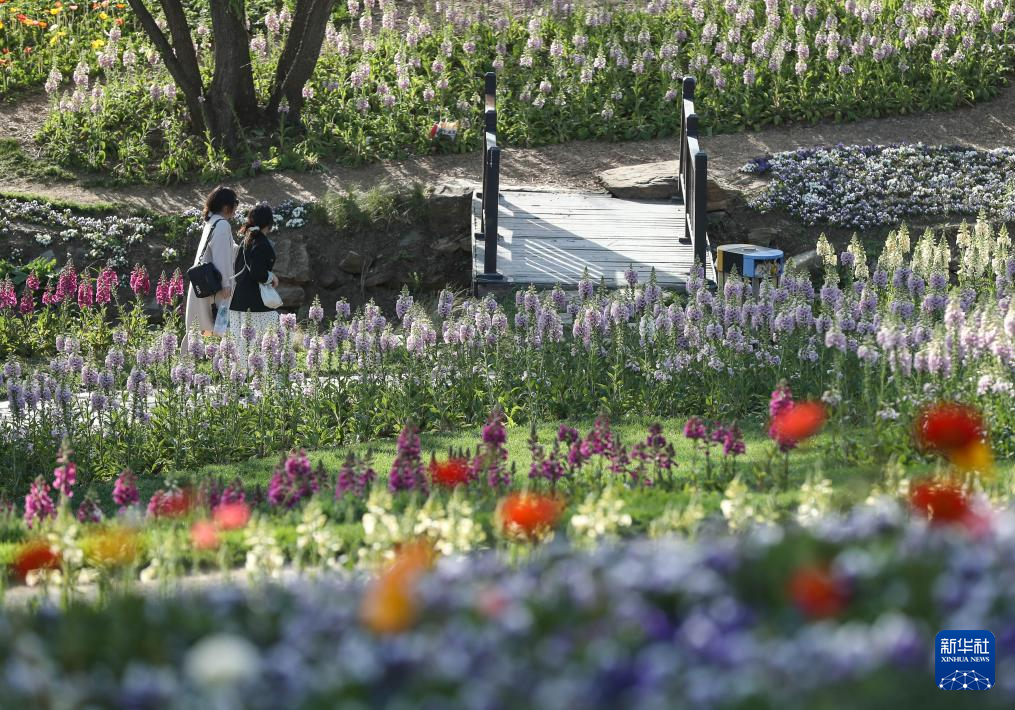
[816, 593]
[941, 502]
[33, 556]
[231, 516]
[204, 535]
[169, 504]
[797, 422]
[222, 660]
[528, 515]
[388, 604]
[115, 547]
[957, 432]
[451, 473]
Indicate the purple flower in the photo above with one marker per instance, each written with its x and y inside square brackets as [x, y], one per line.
[89, 511]
[316, 313]
[445, 302]
[407, 472]
[403, 303]
[695, 429]
[631, 276]
[38, 505]
[294, 480]
[492, 456]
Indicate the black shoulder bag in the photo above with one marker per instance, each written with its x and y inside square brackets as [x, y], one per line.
[205, 278]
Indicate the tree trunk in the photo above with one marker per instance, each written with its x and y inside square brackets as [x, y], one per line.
[231, 97]
[299, 56]
[179, 58]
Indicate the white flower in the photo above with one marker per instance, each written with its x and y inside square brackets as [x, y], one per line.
[599, 517]
[815, 500]
[222, 660]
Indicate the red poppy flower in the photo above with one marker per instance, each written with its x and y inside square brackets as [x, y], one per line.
[231, 516]
[33, 556]
[816, 593]
[450, 473]
[942, 502]
[948, 427]
[528, 514]
[800, 421]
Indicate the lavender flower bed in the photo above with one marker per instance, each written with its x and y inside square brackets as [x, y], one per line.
[883, 335]
[723, 622]
[862, 186]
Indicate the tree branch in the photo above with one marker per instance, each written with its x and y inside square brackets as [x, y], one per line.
[189, 83]
[300, 54]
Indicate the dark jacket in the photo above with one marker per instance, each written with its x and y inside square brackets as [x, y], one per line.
[252, 266]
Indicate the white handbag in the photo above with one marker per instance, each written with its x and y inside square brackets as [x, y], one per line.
[269, 296]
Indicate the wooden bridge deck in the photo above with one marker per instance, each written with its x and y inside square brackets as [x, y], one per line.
[545, 238]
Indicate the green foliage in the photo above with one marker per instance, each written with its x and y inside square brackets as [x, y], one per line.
[379, 207]
[15, 163]
[377, 94]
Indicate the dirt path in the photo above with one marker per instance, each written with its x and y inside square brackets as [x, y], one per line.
[569, 166]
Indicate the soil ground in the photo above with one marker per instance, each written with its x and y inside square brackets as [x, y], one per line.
[571, 166]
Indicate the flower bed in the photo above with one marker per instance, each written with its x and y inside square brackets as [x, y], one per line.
[863, 186]
[778, 618]
[571, 72]
[880, 338]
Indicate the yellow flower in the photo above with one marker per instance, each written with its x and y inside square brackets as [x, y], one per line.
[103, 16]
[54, 11]
[98, 43]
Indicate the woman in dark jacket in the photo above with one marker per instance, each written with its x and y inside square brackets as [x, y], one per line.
[249, 318]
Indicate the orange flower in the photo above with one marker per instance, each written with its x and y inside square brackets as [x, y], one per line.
[204, 535]
[33, 556]
[800, 421]
[231, 516]
[816, 593]
[528, 515]
[450, 473]
[388, 606]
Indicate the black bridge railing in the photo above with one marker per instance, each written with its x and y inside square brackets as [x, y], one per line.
[693, 176]
[491, 183]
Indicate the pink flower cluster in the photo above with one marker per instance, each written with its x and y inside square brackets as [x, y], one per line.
[169, 288]
[140, 283]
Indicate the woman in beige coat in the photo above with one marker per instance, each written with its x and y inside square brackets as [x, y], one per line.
[218, 247]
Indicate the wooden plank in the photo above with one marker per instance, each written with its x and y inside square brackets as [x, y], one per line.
[546, 238]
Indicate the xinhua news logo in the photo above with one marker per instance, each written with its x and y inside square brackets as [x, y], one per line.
[964, 660]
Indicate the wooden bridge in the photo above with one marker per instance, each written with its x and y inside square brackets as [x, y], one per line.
[527, 237]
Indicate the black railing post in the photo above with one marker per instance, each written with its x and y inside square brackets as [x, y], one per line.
[489, 126]
[688, 85]
[701, 208]
[491, 193]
